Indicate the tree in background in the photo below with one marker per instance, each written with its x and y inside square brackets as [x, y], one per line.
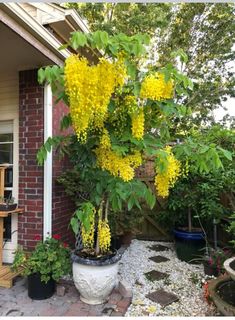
[129, 18]
[204, 31]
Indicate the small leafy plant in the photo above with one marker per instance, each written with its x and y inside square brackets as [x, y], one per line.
[50, 258]
[7, 201]
[217, 257]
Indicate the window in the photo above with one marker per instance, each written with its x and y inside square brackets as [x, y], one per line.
[6, 158]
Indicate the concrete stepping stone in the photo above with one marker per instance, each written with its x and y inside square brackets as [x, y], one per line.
[158, 248]
[162, 297]
[155, 275]
[159, 259]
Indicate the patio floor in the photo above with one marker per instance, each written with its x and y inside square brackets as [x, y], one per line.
[15, 302]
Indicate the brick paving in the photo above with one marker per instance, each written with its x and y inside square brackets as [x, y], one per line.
[15, 302]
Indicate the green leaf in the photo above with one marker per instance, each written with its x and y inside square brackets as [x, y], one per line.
[227, 154]
[74, 224]
[78, 39]
[65, 122]
[41, 75]
[130, 203]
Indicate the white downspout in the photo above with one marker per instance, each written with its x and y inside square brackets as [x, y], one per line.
[47, 190]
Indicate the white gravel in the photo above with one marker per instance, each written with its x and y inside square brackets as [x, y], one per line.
[184, 281]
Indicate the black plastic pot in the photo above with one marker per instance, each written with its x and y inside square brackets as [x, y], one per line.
[38, 290]
[189, 245]
[210, 270]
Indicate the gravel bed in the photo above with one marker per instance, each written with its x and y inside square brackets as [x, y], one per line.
[184, 281]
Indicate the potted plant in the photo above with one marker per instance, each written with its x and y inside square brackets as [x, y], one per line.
[44, 266]
[213, 260]
[125, 224]
[120, 111]
[7, 204]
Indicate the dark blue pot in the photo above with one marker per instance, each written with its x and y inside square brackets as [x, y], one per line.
[189, 245]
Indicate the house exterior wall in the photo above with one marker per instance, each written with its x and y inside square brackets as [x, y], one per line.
[62, 206]
[31, 135]
[30, 174]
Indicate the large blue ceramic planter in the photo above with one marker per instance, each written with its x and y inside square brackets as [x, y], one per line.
[188, 245]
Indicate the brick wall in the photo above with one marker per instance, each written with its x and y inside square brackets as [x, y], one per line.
[30, 174]
[62, 207]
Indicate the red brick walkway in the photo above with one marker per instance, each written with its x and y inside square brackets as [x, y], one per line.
[15, 302]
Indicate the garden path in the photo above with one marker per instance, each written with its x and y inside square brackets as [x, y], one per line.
[162, 285]
[150, 269]
[15, 302]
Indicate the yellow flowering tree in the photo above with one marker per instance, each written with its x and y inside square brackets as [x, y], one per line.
[120, 112]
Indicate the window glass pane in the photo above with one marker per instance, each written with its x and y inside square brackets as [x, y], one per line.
[6, 127]
[7, 220]
[7, 227]
[6, 153]
[6, 137]
[9, 177]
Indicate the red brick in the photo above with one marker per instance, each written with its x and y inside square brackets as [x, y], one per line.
[123, 304]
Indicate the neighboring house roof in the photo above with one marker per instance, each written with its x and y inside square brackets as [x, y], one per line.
[45, 26]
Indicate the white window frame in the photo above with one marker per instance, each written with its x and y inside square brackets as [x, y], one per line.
[11, 244]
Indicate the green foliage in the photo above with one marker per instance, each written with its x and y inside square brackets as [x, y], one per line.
[129, 18]
[83, 214]
[87, 183]
[204, 32]
[110, 45]
[51, 259]
[208, 181]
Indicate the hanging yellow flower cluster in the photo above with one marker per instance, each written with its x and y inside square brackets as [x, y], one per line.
[89, 89]
[105, 140]
[130, 104]
[166, 180]
[137, 125]
[117, 165]
[155, 87]
[88, 236]
[104, 234]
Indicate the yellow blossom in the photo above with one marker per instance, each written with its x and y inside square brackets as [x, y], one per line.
[89, 89]
[104, 235]
[130, 104]
[152, 309]
[88, 236]
[117, 165]
[138, 125]
[166, 180]
[155, 87]
[105, 140]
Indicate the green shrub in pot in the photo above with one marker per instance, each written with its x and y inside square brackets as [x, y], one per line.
[50, 259]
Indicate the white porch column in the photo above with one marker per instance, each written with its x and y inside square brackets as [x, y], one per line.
[47, 198]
